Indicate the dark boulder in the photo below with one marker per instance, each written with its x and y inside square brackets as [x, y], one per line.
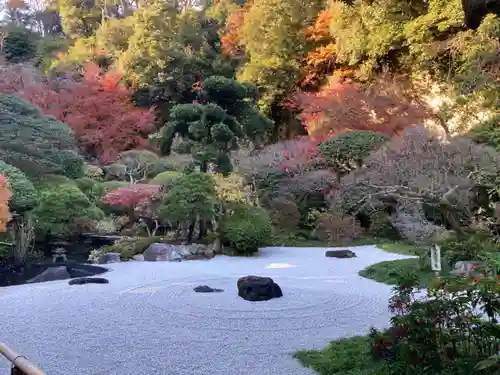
[51, 274]
[340, 254]
[257, 288]
[88, 280]
[207, 289]
[476, 10]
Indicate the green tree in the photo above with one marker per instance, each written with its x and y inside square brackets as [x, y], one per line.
[64, 211]
[191, 200]
[80, 18]
[35, 143]
[19, 45]
[211, 129]
[170, 52]
[273, 37]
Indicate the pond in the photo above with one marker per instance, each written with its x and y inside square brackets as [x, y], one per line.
[77, 253]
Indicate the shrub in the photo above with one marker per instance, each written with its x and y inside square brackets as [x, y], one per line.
[192, 197]
[411, 169]
[488, 132]
[347, 151]
[24, 195]
[473, 247]
[112, 185]
[19, 45]
[165, 178]
[336, 229]
[284, 214]
[127, 247]
[93, 189]
[64, 210]
[381, 226]
[35, 143]
[245, 228]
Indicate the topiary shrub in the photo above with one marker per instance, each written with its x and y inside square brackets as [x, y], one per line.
[165, 178]
[64, 211]
[347, 151]
[245, 228]
[93, 189]
[24, 195]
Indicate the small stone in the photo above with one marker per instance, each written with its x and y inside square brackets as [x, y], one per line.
[340, 254]
[138, 257]
[88, 280]
[257, 288]
[207, 289]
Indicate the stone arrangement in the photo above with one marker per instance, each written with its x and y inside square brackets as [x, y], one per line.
[176, 253]
[257, 288]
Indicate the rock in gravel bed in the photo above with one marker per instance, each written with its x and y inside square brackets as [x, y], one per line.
[257, 288]
[207, 289]
[340, 254]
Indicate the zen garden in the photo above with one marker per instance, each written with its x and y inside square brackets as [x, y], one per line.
[250, 187]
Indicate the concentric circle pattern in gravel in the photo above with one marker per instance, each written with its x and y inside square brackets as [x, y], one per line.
[148, 320]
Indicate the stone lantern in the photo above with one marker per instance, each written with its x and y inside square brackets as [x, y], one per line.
[59, 255]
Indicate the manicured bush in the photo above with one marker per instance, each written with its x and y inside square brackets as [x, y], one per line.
[191, 197]
[347, 151]
[24, 195]
[245, 228]
[64, 210]
[165, 178]
[94, 190]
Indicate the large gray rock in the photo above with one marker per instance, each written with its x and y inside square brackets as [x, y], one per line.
[165, 252]
[109, 258]
[51, 274]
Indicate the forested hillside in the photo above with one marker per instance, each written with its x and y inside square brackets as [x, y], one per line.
[296, 97]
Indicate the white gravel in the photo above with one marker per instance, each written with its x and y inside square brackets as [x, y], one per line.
[148, 320]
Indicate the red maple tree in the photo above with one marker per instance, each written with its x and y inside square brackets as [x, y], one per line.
[98, 108]
[342, 106]
[130, 197]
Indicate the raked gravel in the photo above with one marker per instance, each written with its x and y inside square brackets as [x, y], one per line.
[148, 320]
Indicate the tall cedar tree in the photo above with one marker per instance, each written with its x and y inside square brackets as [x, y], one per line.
[99, 109]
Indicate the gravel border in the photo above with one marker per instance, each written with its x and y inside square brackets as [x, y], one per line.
[148, 320]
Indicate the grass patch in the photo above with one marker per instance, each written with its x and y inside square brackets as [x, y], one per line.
[349, 356]
[389, 272]
[403, 248]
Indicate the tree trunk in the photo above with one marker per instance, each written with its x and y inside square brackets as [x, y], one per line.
[23, 236]
[191, 231]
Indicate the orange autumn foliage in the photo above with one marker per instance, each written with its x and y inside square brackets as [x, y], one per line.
[321, 60]
[231, 40]
[5, 195]
[343, 105]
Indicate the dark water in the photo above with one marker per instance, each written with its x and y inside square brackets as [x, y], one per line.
[77, 253]
[18, 275]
